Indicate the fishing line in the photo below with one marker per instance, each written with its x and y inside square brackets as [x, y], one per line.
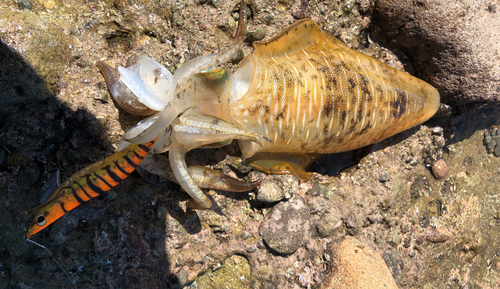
[45, 248]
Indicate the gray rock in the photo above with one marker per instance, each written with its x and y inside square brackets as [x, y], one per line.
[329, 223]
[287, 227]
[495, 139]
[447, 43]
[391, 260]
[487, 138]
[383, 177]
[278, 188]
[497, 151]
[319, 189]
[177, 235]
[290, 184]
[317, 204]
[270, 191]
[491, 145]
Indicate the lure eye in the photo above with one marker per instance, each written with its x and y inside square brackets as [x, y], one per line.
[40, 220]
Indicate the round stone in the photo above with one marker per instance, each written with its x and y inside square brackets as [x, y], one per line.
[439, 169]
[287, 227]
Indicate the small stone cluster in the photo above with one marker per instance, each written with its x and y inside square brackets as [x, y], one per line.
[492, 141]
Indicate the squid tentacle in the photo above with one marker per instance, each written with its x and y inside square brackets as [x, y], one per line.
[151, 127]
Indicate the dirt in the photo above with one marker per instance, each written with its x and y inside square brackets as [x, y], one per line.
[57, 114]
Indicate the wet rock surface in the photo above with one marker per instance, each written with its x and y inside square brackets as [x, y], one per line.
[56, 114]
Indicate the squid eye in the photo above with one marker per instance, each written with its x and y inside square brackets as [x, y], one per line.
[40, 220]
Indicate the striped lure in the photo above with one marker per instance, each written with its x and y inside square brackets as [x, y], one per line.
[86, 184]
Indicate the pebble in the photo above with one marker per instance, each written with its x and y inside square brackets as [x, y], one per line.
[255, 34]
[383, 176]
[329, 223]
[290, 184]
[497, 151]
[278, 188]
[270, 191]
[288, 227]
[439, 169]
[487, 139]
[492, 141]
[496, 139]
[436, 236]
[437, 130]
[439, 141]
[395, 265]
[318, 189]
[24, 4]
[357, 266]
[491, 145]
[317, 204]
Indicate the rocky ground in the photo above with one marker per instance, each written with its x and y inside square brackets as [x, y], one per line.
[425, 201]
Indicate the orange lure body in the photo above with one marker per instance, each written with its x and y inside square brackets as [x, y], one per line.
[86, 184]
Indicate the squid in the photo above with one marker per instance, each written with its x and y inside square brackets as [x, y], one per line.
[297, 96]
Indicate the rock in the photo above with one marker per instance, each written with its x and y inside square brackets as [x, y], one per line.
[356, 265]
[487, 138]
[329, 223]
[439, 169]
[377, 218]
[287, 227]
[317, 204]
[437, 130]
[233, 273]
[383, 177]
[319, 189]
[391, 260]
[290, 184]
[436, 236]
[277, 188]
[497, 151]
[255, 34]
[447, 43]
[491, 146]
[176, 234]
[24, 4]
[270, 191]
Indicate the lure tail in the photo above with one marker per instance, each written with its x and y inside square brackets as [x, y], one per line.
[88, 183]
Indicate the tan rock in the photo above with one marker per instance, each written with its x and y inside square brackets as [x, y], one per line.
[356, 265]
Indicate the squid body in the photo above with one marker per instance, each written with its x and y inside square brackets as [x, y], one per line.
[299, 95]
